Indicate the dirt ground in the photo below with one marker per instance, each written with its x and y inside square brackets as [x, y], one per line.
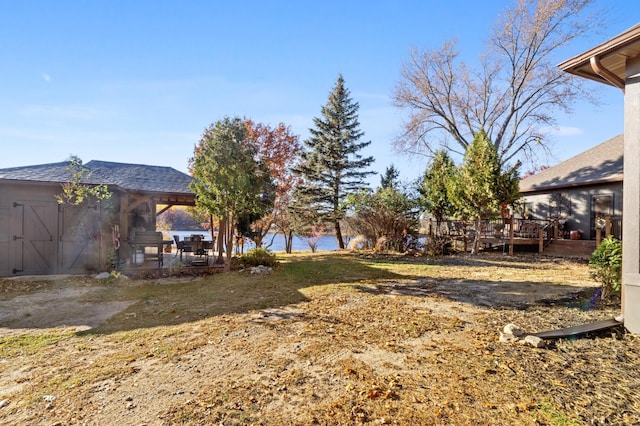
[46, 302]
[423, 351]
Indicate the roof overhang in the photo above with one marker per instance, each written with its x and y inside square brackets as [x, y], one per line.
[552, 187]
[606, 63]
[167, 198]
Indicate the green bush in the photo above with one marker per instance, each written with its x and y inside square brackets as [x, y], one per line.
[605, 266]
[258, 256]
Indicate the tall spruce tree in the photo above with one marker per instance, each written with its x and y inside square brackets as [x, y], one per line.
[332, 166]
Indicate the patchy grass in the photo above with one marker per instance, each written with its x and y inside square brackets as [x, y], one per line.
[29, 344]
[329, 339]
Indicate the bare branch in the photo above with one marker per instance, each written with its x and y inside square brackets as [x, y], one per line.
[516, 92]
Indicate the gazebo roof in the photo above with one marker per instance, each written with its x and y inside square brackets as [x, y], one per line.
[606, 63]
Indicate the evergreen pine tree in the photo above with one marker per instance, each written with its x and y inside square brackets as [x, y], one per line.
[433, 191]
[479, 186]
[332, 166]
[390, 178]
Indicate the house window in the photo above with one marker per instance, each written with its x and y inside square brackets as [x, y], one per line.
[524, 210]
[559, 205]
[601, 207]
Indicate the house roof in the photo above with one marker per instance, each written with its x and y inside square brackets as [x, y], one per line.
[601, 164]
[129, 177]
[606, 63]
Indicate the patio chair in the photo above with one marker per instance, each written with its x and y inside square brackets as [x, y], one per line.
[180, 246]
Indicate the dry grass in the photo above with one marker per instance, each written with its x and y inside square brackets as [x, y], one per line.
[328, 339]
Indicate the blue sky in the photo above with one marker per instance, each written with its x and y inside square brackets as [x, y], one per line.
[139, 81]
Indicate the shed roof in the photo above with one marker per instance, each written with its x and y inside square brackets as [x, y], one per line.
[129, 177]
[601, 164]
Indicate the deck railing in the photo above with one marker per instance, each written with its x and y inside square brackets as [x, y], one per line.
[608, 226]
[504, 230]
[510, 230]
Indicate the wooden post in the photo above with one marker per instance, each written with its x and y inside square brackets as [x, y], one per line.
[607, 226]
[598, 236]
[464, 236]
[541, 241]
[556, 231]
[511, 235]
[125, 252]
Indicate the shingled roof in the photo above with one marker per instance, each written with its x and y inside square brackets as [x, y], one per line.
[601, 164]
[131, 177]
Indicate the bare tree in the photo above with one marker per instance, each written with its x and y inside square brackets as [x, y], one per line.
[513, 96]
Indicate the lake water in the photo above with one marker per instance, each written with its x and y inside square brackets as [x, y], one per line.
[326, 242]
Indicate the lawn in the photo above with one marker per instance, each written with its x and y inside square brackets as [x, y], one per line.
[323, 339]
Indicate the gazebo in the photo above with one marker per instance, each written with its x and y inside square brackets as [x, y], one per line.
[617, 63]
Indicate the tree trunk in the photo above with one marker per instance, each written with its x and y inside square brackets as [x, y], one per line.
[475, 248]
[339, 235]
[229, 246]
[257, 239]
[288, 242]
[212, 231]
[221, 236]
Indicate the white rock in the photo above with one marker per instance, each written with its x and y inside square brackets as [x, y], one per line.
[535, 341]
[4, 403]
[260, 269]
[103, 276]
[513, 329]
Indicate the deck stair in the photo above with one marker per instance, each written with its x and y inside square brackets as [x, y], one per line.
[571, 248]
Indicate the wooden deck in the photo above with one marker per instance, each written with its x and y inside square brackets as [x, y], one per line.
[580, 249]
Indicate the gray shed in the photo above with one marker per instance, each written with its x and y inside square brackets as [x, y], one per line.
[40, 236]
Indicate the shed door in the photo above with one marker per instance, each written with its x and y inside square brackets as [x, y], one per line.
[6, 238]
[35, 232]
[79, 239]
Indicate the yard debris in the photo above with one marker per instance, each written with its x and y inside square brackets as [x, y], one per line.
[577, 330]
[511, 333]
[102, 276]
[259, 270]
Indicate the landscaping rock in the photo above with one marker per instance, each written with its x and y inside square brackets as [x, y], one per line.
[534, 341]
[510, 333]
[513, 330]
[260, 269]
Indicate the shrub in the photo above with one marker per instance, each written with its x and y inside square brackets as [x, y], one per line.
[359, 242]
[258, 256]
[605, 266]
[438, 245]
